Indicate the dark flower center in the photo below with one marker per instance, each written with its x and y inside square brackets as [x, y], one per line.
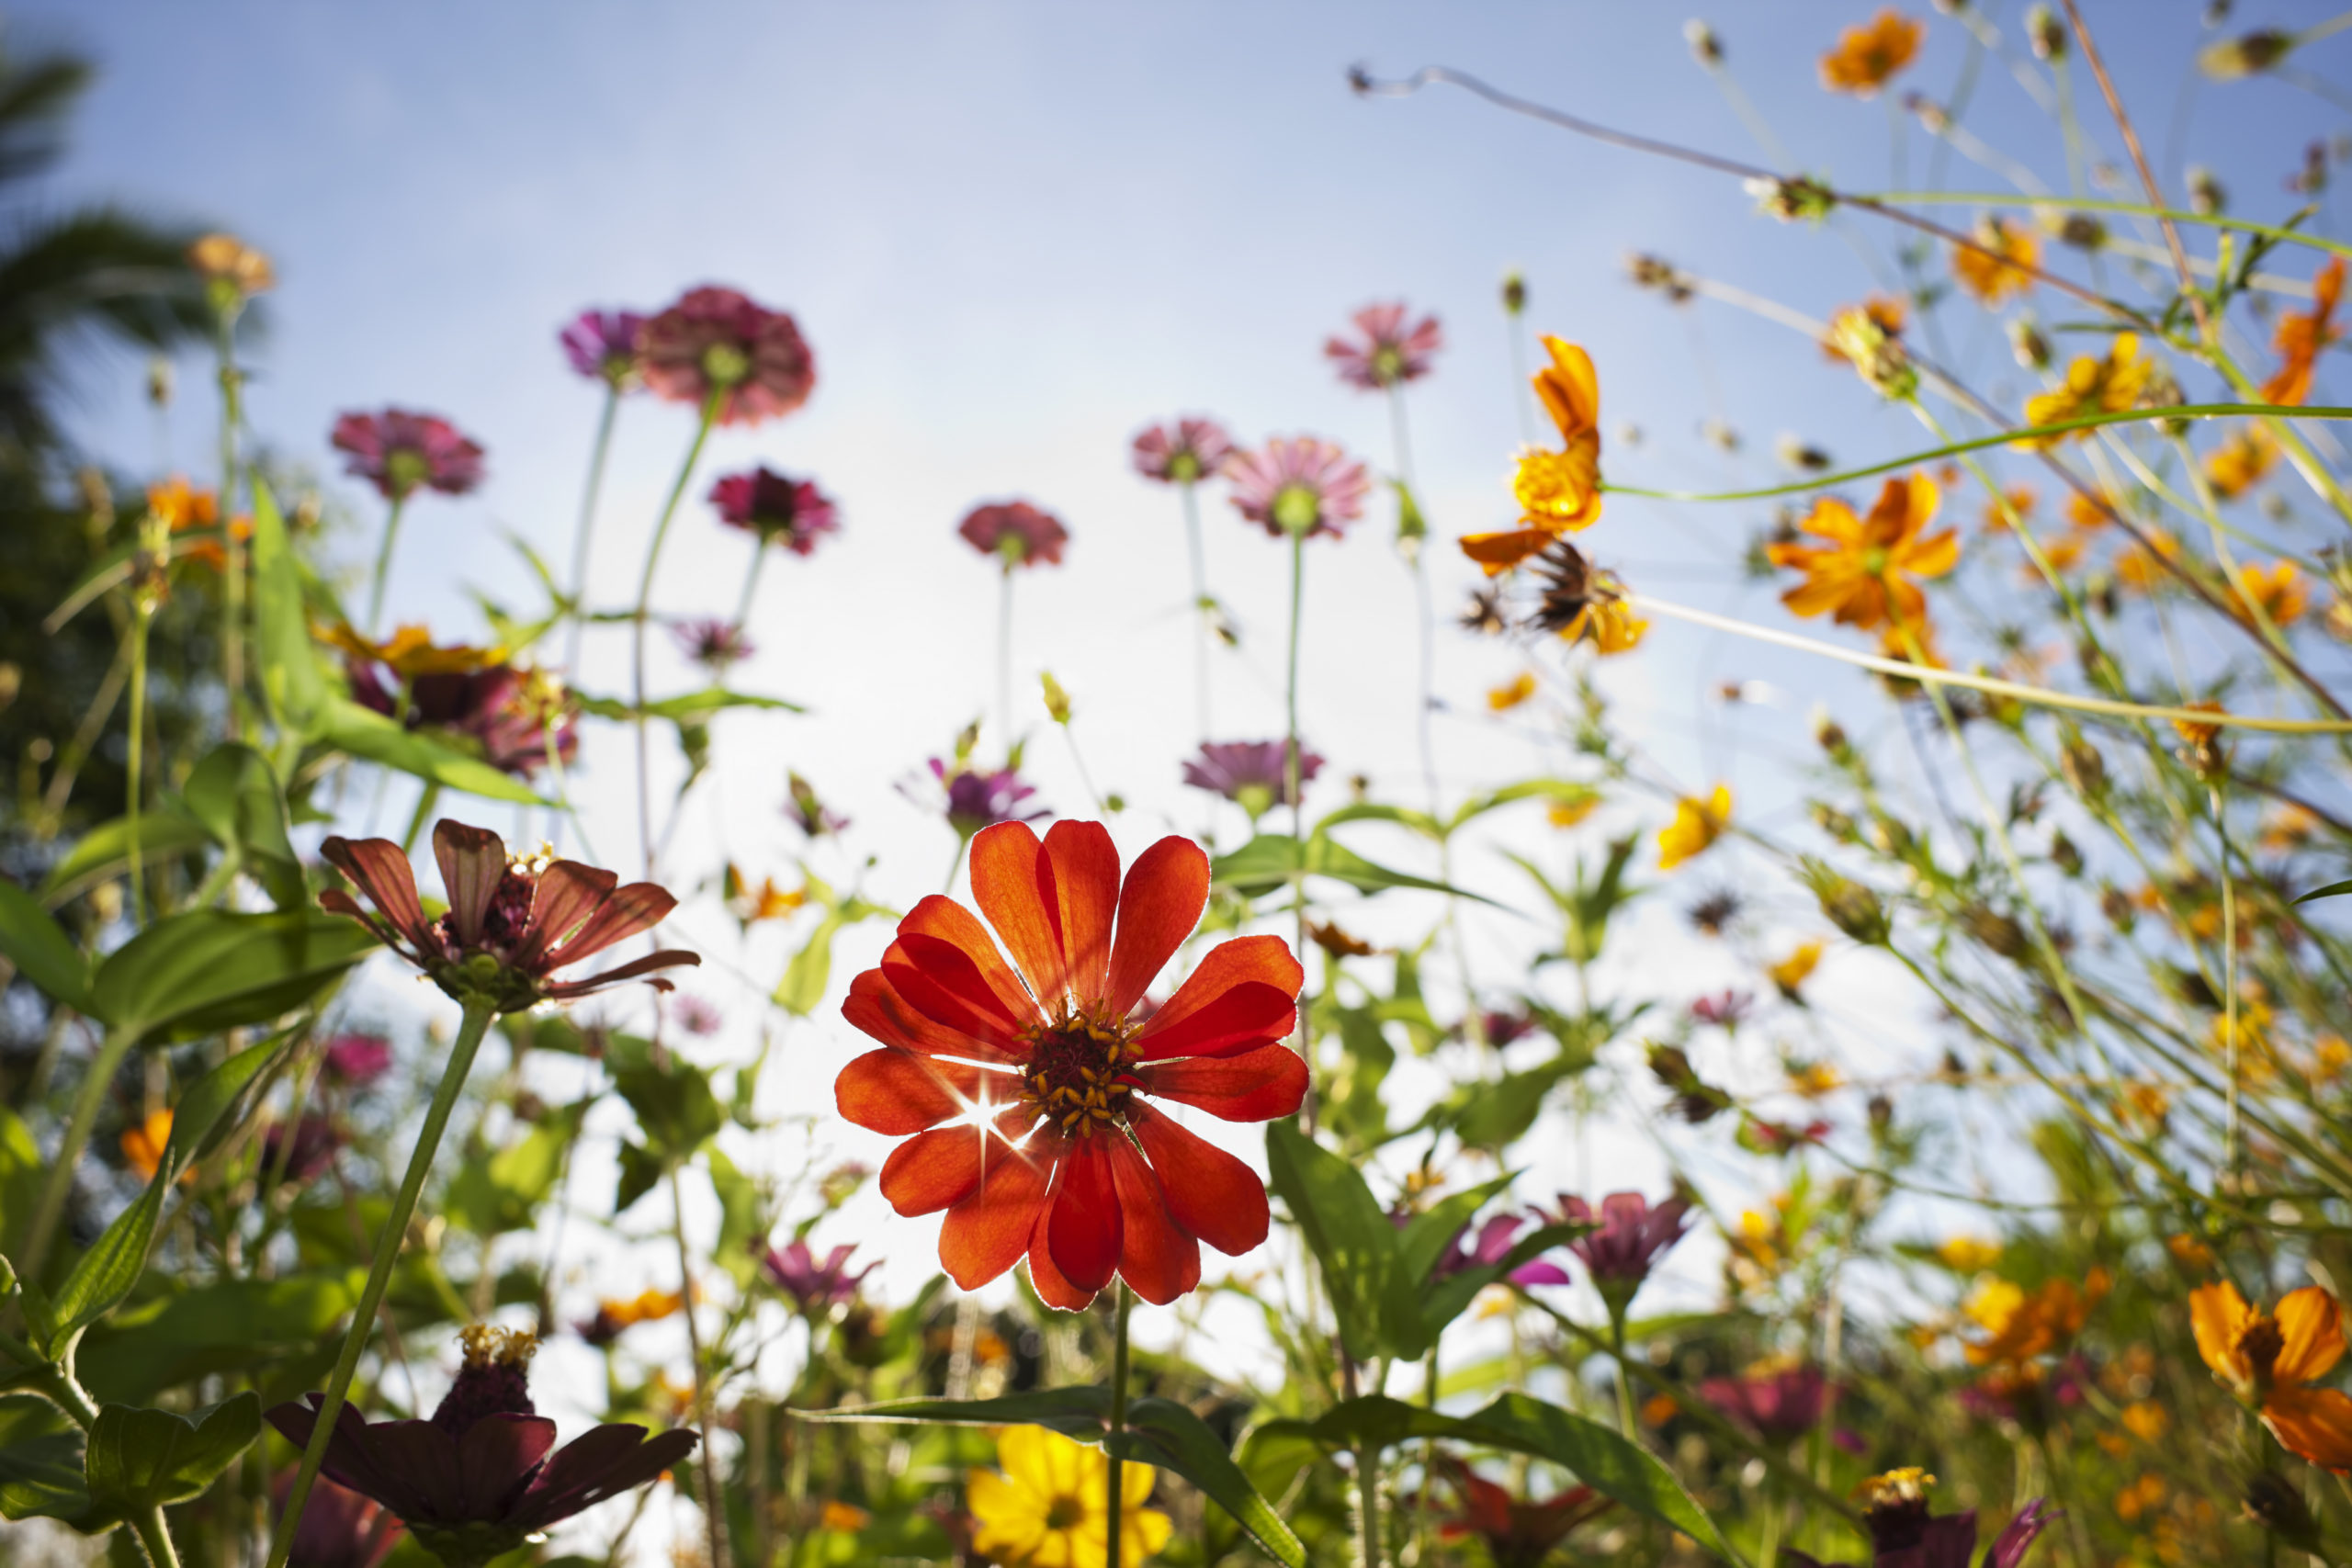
[1077, 1074]
[2260, 1345]
[1065, 1513]
[509, 912]
[493, 1381]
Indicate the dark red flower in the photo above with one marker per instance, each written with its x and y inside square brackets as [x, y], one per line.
[356, 1060]
[717, 340]
[1193, 451]
[339, 1529]
[1503, 1028]
[1905, 1535]
[309, 1149]
[396, 451]
[1020, 1086]
[1777, 1403]
[807, 812]
[1725, 1009]
[603, 344]
[1516, 1534]
[1018, 533]
[717, 645]
[508, 714]
[511, 925]
[791, 513]
[1384, 352]
[478, 1479]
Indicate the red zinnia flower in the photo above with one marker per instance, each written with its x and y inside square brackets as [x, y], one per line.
[396, 451]
[779, 511]
[718, 340]
[1386, 352]
[1018, 1086]
[1023, 535]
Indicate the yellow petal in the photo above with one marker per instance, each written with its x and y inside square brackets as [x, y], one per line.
[2311, 1324]
[2218, 1315]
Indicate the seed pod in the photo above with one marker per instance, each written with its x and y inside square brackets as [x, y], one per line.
[2085, 769]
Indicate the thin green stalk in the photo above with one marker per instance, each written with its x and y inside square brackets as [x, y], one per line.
[750, 582]
[1426, 616]
[637, 625]
[155, 1535]
[2231, 1141]
[1202, 604]
[384, 565]
[714, 1504]
[478, 1014]
[1368, 1504]
[1005, 658]
[1114, 1501]
[143, 618]
[1294, 787]
[232, 570]
[427, 799]
[589, 496]
[1626, 1423]
[87, 1102]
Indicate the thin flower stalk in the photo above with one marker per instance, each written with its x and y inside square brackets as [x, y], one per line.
[714, 1502]
[713, 402]
[584, 531]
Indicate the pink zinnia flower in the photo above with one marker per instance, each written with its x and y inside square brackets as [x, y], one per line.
[397, 450]
[1301, 486]
[603, 344]
[1778, 1406]
[358, 1059]
[1254, 774]
[974, 800]
[1631, 1236]
[1194, 450]
[718, 340]
[1388, 352]
[788, 512]
[1021, 533]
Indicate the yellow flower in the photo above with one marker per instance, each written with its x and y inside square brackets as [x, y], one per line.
[1868, 55]
[1568, 813]
[227, 259]
[1608, 625]
[410, 651]
[2025, 1324]
[144, 1145]
[2021, 500]
[2288, 828]
[179, 505]
[2093, 386]
[650, 1306]
[1504, 698]
[1045, 1508]
[2089, 516]
[766, 902]
[1969, 1254]
[1993, 277]
[2189, 1252]
[2302, 335]
[2146, 1420]
[2238, 464]
[1697, 825]
[2270, 1362]
[1558, 492]
[1791, 973]
[1814, 1079]
[2277, 593]
[2142, 567]
[1863, 573]
[846, 1517]
[1558, 488]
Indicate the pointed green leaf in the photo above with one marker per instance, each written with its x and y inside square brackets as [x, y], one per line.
[1265, 863]
[103, 851]
[233, 791]
[40, 950]
[290, 681]
[371, 737]
[686, 705]
[208, 969]
[1353, 1242]
[40, 1462]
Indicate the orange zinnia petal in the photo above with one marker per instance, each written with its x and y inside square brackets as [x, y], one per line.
[1086, 881]
[900, 1093]
[1210, 1193]
[1045, 1279]
[1082, 1228]
[1012, 882]
[1156, 1257]
[932, 1171]
[1499, 552]
[2314, 1424]
[986, 1234]
[1166, 890]
[2218, 1315]
[1198, 1020]
[2311, 1324]
[948, 940]
[877, 1009]
[1256, 1086]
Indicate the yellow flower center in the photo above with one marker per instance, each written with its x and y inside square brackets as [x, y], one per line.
[1875, 560]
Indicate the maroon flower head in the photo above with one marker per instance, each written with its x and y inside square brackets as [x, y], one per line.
[780, 510]
[511, 925]
[1630, 1238]
[1489, 1246]
[358, 1060]
[1022, 535]
[1383, 352]
[1191, 452]
[396, 451]
[1504, 1027]
[339, 1528]
[717, 343]
[1779, 1405]
[1905, 1535]
[717, 646]
[309, 1149]
[1298, 486]
[815, 1288]
[479, 1479]
[1254, 774]
[603, 344]
[507, 714]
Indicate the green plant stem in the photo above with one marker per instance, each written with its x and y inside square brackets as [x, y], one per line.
[1200, 604]
[1368, 1504]
[1005, 658]
[478, 1014]
[384, 565]
[232, 570]
[1294, 787]
[1426, 616]
[1626, 1423]
[589, 496]
[143, 618]
[714, 1504]
[56, 1382]
[87, 1102]
[426, 800]
[155, 1535]
[751, 584]
[1115, 1500]
[638, 618]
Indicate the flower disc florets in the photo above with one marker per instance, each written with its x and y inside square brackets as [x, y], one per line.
[1077, 1074]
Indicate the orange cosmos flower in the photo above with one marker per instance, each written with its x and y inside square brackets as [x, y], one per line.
[2021, 499]
[2302, 335]
[2238, 464]
[1558, 492]
[142, 1145]
[2279, 593]
[2088, 514]
[1020, 1086]
[2093, 386]
[1503, 698]
[1697, 825]
[1993, 278]
[1868, 55]
[1863, 573]
[2142, 566]
[2270, 1362]
[184, 509]
[2025, 1324]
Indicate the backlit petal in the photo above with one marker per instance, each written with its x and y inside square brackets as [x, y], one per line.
[1498, 553]
[1086, 881]
[1166, 890]
[899, 1093]
[939, 980]
[639, 907]
[379, 870]
[569, 893]
[986, 1233]
[2311, 1324]
[1045, 1279]
[1082, 1229]
[1159, 1259]
[1242, 994]
[2218, 1315]
[472, 860]
[1209, 1192]
[946, 921]
[1256, 1086]
[2313, 1424]
[1012, 882]
[933, 1169]
[879, 1012]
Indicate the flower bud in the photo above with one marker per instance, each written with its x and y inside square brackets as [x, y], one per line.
[2045, 33]
[2207, 195]
[1514, 292]
[1057, 699]
[2085, 769]
[2249, 55]
[1789, 197]
[1706, 44]
[2025, 342]
[1851, 906]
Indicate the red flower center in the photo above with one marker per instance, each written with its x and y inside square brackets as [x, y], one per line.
[1077, 1076]
[509, 912]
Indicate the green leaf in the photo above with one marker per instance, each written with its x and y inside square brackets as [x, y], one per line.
[142, 1458]
[103, 851]
[1265, 863]
[40, 1462]
[501, 1190]
[40, 950]
[1560, 792]
[2332, 890]
[235, 794]
[740, 1222]
[1423, 1243]
[290, 683]
[806, 976]
[22, 1173]
[675, 1108]
[208, 969]
[1073, 1412]
[1444, 1300]
[688, 706]
[230, 1327]
[370, 736]
[641, 1173]
[1354, 1243]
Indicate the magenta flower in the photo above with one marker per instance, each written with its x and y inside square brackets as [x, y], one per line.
[1905, 1535]
[1384, 352]
[1503, 1028]
[339, 1529]
[603, 344]
[815, 1288]
[1301, 486]
[511, 924]
[309, 1150]
[1725, 1010]
[717, 645]
[716, 341]
[1631, 1236]
[1194, 450]
[1779, 1406]
[780, 510]
[478, 1479]
[696, 1015]
[975, 800]
[1489, 1246]
[507, 715]
[1021, 533]
[396, 451]
[1254, 774]
[358, 1060]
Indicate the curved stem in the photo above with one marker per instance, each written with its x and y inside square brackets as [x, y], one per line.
[637, 625]
[1115, 1500]
[589, 496]
[383, 565]
[232, 568]
[1202, 604]
[87, 1102]
[478, 1017]
[155, 1536]
[714, 1504]
[143, 618]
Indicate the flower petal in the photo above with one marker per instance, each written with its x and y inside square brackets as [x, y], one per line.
[1082, 1229]
[948, 942]
[1086, 882]
[899, 1093]
[877, 1009]
[1166, 890]
[1243, 995]
[1045, 1279]
[569, 893]
[601, 1462]
[932, 1171]
[381, 871]
[335, 901]
[495, 1461]
[2218, 1315]
[1012, 882]
[1256, 1086]
[351, 1458]
[639, 907]
[668, 958]
[2311, 1323]
[1209, 1192]
[1498, 553]
[1161, 1260]
[2314, 1424]
[471, 860]
[986, 1233]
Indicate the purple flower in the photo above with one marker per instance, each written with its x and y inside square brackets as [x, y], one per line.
[603, 344]
[977, 800]
[1725, 1009]
[717, 645]
[1194, 450]
[1778, 1406]
[309, 1150]
[1491, 1246]
[339, 1529]
[717, 342]
[356, 1060]
[1905, 1535]
[1385, 353]
[1631, 1236]
[815, 1288]
[780, 510]
[1254, 774]
[396, 451]
[1021, 533]
[1502, 1028]
[478, 1479]
[1300, 486]
[504, 713]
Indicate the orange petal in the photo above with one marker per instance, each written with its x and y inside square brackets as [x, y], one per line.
[1166, 890]
[1158, 1258]
[1499, 552]
[1082, 1220]
[1086, 882]
[1045, 1280]
[877, 1008]
[1242, 995]
[1930, 557]
[1570, 389]
[2218, 1315]
[2313, 1424]
[1209, 1192]
[900, 1093]
[1012, 882]
[932, 1171]
[2311, 1324]
[986, 1233]
[946, 921]
[1256, 1086]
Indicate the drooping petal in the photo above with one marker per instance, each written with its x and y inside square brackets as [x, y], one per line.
[1012, 882]
[933, 1169]
[1166, 890]
[495, 1460]
[1256, 1086]
[639, 907]
[569, 893]
[2311, 1327]
[877, 1009]
[899, 1093]
[601, 1462]
[1498, 553]
[1243, 994]
[987, 1233]
[335, 901]
[1086, 884]
[471, 860]
[423, 1459]
[1160, 1259]
[2218, 1315]
[1045, 1279]
[1209, 1192]
[351, 1457]
[2314, 1424]
[381, 871]
[1082, 1222]
[668, 958]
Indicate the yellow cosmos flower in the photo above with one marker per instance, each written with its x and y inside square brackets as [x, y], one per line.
[1862, 574]
[1969, 1254]
[2270, 1363]
[2088, 516]
[1697, 825]
[2093, 386]
[1608, 625]
[1558, 492]
[1505, 697]
[1868, 55]
[2142, 567]
[229, 260]
[1045, 1508]
[649, 1306]
[2238, 464]
[2277, 593]
[1791, 973]
[2025, 1324]
[1996, 276]
[1568, 813]
[410, 651]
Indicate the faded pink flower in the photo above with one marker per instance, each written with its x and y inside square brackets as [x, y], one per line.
[1384, 353]
[1301, 485]
[718, 340]
[1021, 534]
[397, 450]
[791, 513]
[603, 344]
[1194, 450]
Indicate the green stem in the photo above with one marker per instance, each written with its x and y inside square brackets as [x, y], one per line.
[155, 1536]
[1626, 1422]
[478, 1014]
[1296, 788]
[232, 571]
[750, 582]
[1005, 658]
[1367, 1507]
[637, 624]
[714, 1502]
[143, 616]
[1115, 1500]
[87, 1104]
[1200, 604]
[587, 528]
[384, 565]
